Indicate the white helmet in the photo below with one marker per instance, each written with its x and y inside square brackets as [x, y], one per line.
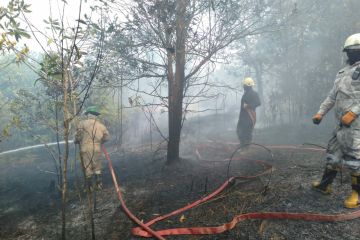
[352, 42]
[248, 82]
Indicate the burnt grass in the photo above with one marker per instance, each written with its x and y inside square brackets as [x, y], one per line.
[29, 204]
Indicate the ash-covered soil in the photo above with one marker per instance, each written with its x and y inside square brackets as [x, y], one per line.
[29, 205]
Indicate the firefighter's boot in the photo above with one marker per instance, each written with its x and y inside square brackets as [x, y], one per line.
[353, 200]
[324, 186]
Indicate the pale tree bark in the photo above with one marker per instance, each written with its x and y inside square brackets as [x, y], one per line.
[66, 153]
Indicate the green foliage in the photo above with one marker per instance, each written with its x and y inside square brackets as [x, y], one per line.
[35, 113]
[51, 74]
[15, 80]
[11, 30]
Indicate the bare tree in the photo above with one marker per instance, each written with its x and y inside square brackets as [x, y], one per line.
[174, 45]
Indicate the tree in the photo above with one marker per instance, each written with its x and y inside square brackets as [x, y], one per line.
[193, 35]
[11, 30]
[11, 33]
[67, 79]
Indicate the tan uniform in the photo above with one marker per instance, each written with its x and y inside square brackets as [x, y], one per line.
[90, 134]
[344, 146]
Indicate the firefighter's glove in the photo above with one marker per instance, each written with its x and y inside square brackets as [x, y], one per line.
[317, 118]
[348, 118]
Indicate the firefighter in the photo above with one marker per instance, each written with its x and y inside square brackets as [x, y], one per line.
[90, 134]
[247, 119]
[344, 146]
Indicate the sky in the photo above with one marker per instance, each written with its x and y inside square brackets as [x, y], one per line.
[40, 10]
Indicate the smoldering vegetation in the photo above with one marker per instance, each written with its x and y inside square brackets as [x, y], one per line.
[125, 58]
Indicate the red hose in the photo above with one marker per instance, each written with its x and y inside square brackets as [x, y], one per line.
[148, 231]
[145, 231]
[256, 215]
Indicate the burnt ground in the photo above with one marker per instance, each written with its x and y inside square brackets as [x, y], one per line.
[29, 206]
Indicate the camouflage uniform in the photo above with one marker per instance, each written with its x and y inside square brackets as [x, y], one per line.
[344, 147]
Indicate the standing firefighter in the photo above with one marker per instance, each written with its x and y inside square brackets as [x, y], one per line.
[90, 134]
[344, 147]
[247, 119]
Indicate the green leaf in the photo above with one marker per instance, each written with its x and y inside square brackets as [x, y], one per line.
[81, 21]
[96, 26]
[24, 34]
[78, 54]
[6, 131]
[50, 41]
[26, 8]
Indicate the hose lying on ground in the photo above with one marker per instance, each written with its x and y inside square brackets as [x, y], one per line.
[145, 231]
[149, 231]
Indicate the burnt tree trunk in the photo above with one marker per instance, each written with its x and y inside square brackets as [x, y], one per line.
[176, 85]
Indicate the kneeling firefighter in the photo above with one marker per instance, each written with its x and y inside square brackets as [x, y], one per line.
[344, 146]
[90, 134]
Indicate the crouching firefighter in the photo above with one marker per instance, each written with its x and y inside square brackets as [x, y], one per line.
[247, 118]
[90, 134]
[344, 146]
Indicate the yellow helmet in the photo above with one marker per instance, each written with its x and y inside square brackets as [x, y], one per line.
[248, 82]
[352, 42]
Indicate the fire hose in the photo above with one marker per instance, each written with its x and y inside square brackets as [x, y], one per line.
[149, 231]
[145, 231]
